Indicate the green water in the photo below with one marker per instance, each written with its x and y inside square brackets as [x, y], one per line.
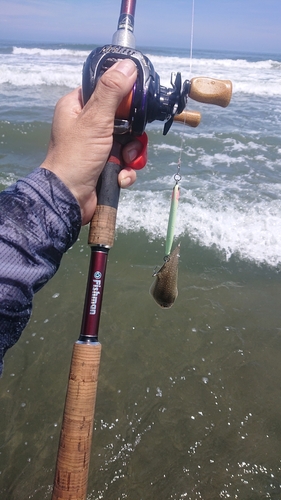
[188, 402]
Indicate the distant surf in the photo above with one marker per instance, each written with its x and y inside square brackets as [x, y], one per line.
[231, 184]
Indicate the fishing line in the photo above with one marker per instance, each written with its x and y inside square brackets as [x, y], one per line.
[190, 69]
[177, 176]
[191, 38]
[164, 289]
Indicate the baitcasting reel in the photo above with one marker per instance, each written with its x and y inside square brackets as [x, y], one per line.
[149, 101]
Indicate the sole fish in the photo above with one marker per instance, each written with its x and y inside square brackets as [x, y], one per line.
[164, 289]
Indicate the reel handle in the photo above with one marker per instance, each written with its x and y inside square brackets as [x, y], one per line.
[210, 91]
[188, 117]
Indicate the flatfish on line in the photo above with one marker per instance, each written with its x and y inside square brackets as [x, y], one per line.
[164, 289]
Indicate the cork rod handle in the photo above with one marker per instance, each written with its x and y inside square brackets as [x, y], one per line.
[102, 226]
[71, 476]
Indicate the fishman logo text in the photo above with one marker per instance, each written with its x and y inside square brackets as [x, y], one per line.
[95, 295]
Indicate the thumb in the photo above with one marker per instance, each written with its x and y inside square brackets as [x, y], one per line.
[112, 87]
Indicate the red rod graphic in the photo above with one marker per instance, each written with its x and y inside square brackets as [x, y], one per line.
[128, 7]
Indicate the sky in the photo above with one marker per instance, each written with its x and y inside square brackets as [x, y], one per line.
[234, 25]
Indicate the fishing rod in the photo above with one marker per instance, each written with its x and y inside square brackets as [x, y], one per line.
[148, 101]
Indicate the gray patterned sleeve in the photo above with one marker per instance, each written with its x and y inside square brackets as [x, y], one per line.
[39, 220]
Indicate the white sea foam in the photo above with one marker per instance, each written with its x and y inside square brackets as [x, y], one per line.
[252, 230]
[231, 164]
[33, 75]
[34, 66]
[57, 53]
[258, 78]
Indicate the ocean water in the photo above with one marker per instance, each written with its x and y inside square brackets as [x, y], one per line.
[189, 399]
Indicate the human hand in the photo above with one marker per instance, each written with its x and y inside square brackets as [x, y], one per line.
[82, 137]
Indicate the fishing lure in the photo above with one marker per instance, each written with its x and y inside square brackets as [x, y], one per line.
[172, 218]
[164, 288]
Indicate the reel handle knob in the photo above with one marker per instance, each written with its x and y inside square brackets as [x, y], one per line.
[210, 91]
[188, 117]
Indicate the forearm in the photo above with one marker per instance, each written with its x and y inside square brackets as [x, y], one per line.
[39, 220]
